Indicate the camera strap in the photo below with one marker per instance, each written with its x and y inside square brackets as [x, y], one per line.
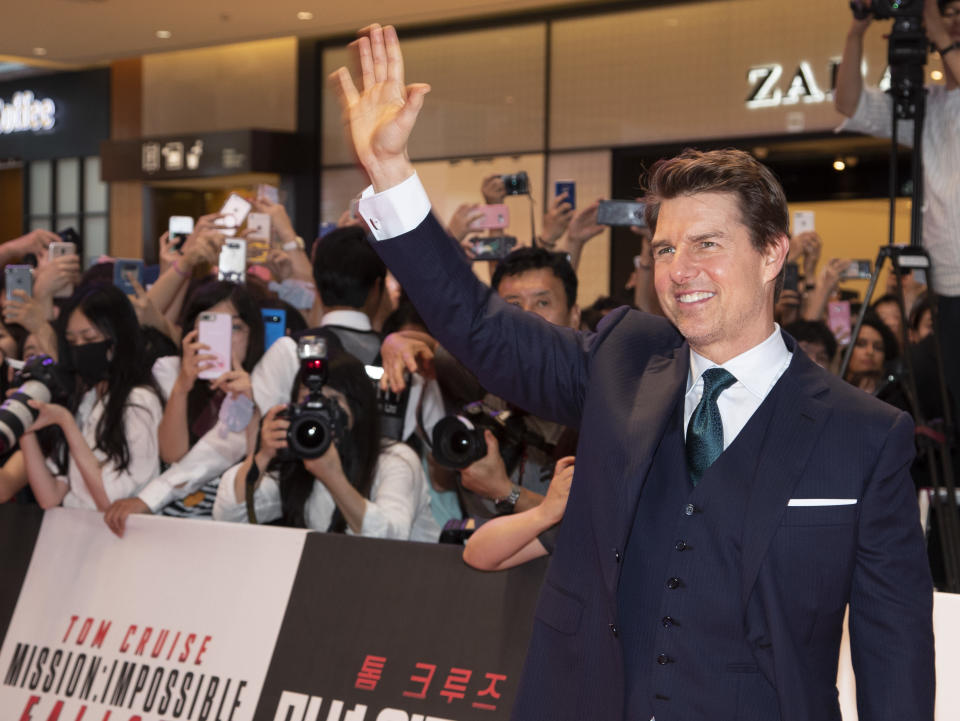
[250, 483]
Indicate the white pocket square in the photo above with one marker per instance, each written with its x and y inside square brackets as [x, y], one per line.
[822, 501]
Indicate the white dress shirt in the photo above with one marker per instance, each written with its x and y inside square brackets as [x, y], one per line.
[756, 370]
[141, 421]
[941, 171]
[398, 507]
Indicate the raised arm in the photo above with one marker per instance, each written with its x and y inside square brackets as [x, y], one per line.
[849, 77]
[516, 355]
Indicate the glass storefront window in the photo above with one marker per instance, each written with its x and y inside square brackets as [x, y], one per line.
[68, 186]
[94, 189]
[41, 187]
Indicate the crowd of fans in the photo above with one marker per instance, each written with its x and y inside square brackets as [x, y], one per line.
[142, 426]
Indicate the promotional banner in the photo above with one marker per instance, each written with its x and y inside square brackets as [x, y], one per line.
[177, 620]
[387, 631]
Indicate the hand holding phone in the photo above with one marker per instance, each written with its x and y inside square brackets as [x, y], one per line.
[215, 330]
[233, 213]
[493, 217]
[621, 212]
[125, 272]
[18, 277]
[567, 188]
[59, 249]
[233, 260]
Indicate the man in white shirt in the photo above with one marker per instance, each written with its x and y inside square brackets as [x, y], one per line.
[730, 497]
[869, 111]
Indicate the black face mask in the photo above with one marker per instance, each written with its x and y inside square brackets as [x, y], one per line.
[90, 361]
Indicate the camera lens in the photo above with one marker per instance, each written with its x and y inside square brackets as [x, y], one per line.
[460, 443]
[311, 435]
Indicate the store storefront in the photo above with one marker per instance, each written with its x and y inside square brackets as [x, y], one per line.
[51, 127]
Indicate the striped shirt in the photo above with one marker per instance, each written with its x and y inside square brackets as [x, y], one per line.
[941, 164]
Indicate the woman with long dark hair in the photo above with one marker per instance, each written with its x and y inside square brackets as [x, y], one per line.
[362, 485]
[193, 404]
[110, 426]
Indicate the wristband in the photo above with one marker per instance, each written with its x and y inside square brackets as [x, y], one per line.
[176, 268]
[951, 46]
[294, 244]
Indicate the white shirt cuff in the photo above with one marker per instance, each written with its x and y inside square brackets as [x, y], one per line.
[396, 210]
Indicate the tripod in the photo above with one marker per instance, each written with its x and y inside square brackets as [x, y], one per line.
[907, 56]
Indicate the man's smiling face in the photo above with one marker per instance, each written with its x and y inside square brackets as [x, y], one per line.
[712, 282]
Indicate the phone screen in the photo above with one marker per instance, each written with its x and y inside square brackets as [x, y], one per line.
[216, 331]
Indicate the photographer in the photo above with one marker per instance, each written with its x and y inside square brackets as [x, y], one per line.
[543, 283]
[869, 111]
[361, 485]
[111, 423]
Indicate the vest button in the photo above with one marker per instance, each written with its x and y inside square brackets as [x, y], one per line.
[681, 546]
[616, 555]
[689, 509]
[663, 659]
[673, 583]
[613, 630]
[668, 621]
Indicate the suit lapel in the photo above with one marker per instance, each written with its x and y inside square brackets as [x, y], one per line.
[660, 388]
[797, 420]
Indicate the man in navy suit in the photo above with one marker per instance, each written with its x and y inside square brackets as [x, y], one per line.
[731, 498]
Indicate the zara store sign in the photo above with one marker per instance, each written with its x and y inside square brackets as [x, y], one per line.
[770, 87]
[26, 113]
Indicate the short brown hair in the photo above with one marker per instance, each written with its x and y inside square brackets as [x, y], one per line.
[760, 197]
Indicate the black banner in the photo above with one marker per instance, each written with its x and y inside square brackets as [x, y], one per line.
[396, 631]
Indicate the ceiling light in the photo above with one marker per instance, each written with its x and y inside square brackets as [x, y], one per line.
[164, 34]
[40, 51]
[839, 165]
[304, 15]
[936, 75]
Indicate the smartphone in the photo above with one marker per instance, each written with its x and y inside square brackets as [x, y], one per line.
[234, 212]
[233, 260]
[125, 272]
[216, 331]
[268, 192]
[179, 227]
[791, 277]
[570, 188]
[258, 237]
[517, 183]
[258, 226]
[857, 269]
[493, 247]
[621, 212]
[18, 277]
[494, 217]
[274, 325]
[802, 221]
[58, 249]
[838, 319]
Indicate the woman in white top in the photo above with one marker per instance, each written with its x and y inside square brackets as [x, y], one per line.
[359, 486]
[110, 428]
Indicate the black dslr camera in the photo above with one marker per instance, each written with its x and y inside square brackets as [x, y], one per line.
[40, 379]
[318, 421]
[517, 183]
[458, 440]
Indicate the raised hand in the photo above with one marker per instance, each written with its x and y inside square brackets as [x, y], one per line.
[378, 119]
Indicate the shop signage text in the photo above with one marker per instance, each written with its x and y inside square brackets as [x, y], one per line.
[767, 82]
[26, 113]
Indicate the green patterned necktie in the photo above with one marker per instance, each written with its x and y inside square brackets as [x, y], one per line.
[705, 429]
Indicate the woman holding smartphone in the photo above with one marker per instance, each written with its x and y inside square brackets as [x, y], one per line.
[193, 404]
[362, 485]
[110, 424]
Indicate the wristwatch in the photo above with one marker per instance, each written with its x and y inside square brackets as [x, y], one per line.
[295, 243]
[951, 46]
[507, 504]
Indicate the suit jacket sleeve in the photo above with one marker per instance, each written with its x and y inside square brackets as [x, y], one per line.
[515, 354]
[891, 599]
